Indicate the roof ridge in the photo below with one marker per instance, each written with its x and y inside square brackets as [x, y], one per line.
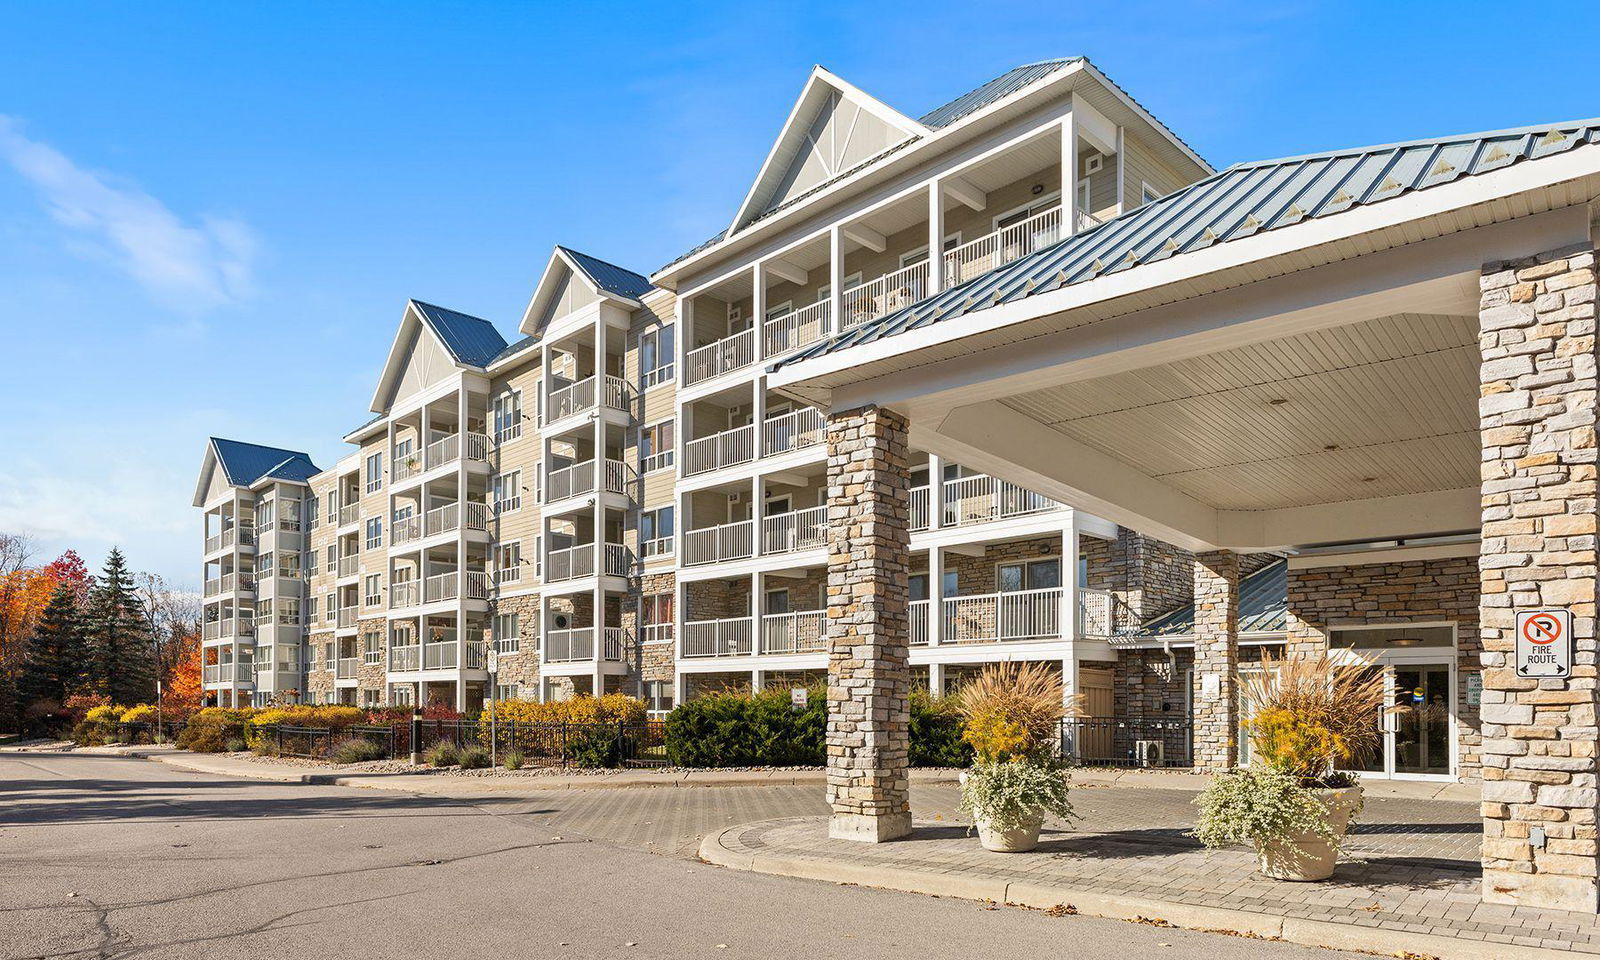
[609, 263]
[1418, 142]
[435, 306]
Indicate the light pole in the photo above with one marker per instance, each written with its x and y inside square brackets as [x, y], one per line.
[493, 663]
[158, 710]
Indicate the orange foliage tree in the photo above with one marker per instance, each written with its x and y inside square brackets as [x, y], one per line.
[184, 693]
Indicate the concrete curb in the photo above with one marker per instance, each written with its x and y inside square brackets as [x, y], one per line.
[1310, 933]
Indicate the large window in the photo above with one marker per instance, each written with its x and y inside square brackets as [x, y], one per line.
[508, 562]
[373, 590]
[655, 532]
[374, 533]
[507, 634]
[508, 691]
[375, 473]
[655, 446]
[656, 353]
[655, 617]
[508, 416]
[372, 646]
[508, 491]
[658, 696]
[1032, 575]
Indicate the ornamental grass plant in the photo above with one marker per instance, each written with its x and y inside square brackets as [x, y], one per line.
[1013, 714]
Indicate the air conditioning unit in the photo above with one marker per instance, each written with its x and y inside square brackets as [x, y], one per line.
[1150, 753]
[561, 621]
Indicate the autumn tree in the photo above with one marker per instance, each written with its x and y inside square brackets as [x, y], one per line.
[53, 666]
[184, 691]
[121, 658]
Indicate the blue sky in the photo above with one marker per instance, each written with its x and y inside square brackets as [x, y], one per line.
[212, 213]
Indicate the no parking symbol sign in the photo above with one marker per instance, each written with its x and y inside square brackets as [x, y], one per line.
[1544, 643]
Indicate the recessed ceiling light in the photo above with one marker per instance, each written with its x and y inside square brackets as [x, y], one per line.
[1278, 401]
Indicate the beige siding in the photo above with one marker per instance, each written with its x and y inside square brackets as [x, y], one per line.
[1140, 166]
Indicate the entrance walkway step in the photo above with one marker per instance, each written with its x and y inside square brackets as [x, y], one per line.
[1377, 905]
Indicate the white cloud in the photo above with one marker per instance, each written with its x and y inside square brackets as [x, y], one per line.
[192, 266]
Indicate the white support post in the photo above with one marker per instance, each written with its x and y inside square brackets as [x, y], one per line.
[758, 603]
[936, 680]
[935, 492]
[758, 306]
[935, 237]
[1068, 614]
[1122, 196]
[935, 596]
[755, 680]
[835, 279]
[1069, 174]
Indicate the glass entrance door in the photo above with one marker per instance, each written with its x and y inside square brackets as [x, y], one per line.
[1420, 720]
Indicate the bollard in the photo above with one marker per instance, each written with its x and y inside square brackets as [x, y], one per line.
[416, 738]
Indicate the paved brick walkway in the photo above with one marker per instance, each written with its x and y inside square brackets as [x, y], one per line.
[1116, 852]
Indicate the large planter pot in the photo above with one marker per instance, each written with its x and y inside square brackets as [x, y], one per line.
[1310, 856]
[1016, 840]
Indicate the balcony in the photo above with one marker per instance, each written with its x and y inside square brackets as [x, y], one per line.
[347, 618]
[796, 329]
[994, 617]
[226, 628]
[728, 637]
[349, 514]
[230, 583]
[581, 397]
[982, 499]
[240, 672]
[346, 668]
[221, 541]
[920, 511]
[468, 515]
[731, 353]
[883, 296]
[728, 541]
[802, 631]
[405, 593]
[793, 431]
[349, 566]
[1097, 614]
[405, 658]
[574, 563]
[577, 645]
[726, 449]
[441, 587]
[578, 479]
[993, 251]
[439, 655]
[800, 530]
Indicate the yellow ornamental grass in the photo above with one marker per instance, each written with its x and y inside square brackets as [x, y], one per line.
[1308, 714]
[105, 714]
[141, 713]
[1013, 711]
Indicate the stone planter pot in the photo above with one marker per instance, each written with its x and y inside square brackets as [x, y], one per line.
[1017, 840]
[1308, 856]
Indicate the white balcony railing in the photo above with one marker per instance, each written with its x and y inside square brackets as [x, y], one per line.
[571, 563]
[619, 560]
[405, 467]
[615, 640]
[405, 593]
[439, 655]
[441, 587]
[725, 449]
[883, 296]
[477, 654]
[450, 448]
[349, 566]
[982, 498]
[729, 541]
[571, 481]
[346, 668]
[468, 515]
[800, 530]
[620, 478]
[582, 396]
[992, 251]
[405, 658]
[793, 431]
[349, 514]
[220, 541]
[347, 617]
[726, 355]
[987, 618]
[1097, 613]
[919, 623]
[802, 631]
[729, 637]
[920, 512]
[238, 672]
[569, 646]
[477, 587]
[405, 529]
[796, 329]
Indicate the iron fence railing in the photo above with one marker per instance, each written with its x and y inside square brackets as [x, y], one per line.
[1113, 742]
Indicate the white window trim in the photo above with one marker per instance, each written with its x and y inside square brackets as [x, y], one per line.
[664, 370]
[662, 459]
[514, 502]
[1041, 199]
[514, 431]
[1147, 193]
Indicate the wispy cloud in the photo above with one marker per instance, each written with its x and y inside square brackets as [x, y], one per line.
[189, 265]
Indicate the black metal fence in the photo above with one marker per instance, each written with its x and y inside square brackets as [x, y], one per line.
[1110, 742]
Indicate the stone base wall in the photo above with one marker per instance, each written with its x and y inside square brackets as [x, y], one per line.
[1147, 576]
[1152, 686]
[1216, 659]
[1382, 594]
[522, 667]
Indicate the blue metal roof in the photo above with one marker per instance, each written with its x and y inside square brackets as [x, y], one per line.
[516, 347]
[995, 90]
[610, 277]
[1263, 606]
[245, 463]
[1241, 201]
[469, 339]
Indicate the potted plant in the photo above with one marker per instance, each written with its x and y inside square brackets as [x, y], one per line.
[1306, 716]
[1012, 714]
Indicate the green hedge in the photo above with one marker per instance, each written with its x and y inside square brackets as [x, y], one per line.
[764, 730]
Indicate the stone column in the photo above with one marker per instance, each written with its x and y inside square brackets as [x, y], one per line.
[869, 681]
[1216, 658]
[1537, 421]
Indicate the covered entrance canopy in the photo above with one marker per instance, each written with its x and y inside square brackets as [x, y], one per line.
[1385, 344]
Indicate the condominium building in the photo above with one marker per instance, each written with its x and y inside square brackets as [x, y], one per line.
[615, 499]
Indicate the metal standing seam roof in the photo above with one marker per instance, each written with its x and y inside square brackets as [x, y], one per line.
[469, 339]
[610, 277]
[1238, 202]
[245, 463]
[1263, 607]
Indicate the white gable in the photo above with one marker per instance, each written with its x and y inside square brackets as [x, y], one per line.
[832, 128]
[425, 363]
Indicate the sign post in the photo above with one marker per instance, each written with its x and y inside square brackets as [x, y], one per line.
[1544, 643]
[798, 698]
[494, 734]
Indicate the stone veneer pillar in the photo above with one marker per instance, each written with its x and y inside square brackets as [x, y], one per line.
[869, 681]
[1216, 658]
[1536, 410]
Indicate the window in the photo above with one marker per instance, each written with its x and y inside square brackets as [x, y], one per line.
[655, 617]
[655, 447]
[375, 473]
[1032, 575]
[311, 561]
[311, 610]
[370, 699]
[777, 601]
[289, 565]
[508, 562]
[508, 491]
[332, 607]
[372, 647]
[507, 637]
[919, 585]
[658, 696]
[508, 416]
[265, 567]
[289, 611]
[374, 533]
[400, 695]
[333, 557]
[507, 691]
[311, 513]
[656, 353]
[1147, 193]
[373, 591]
[655, 532]
[328, 653]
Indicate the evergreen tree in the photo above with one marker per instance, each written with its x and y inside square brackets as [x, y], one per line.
[55, 660]
[121, 659]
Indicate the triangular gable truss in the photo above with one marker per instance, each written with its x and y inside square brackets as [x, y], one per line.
[411, 326]
[832, 127]
[560, 267]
